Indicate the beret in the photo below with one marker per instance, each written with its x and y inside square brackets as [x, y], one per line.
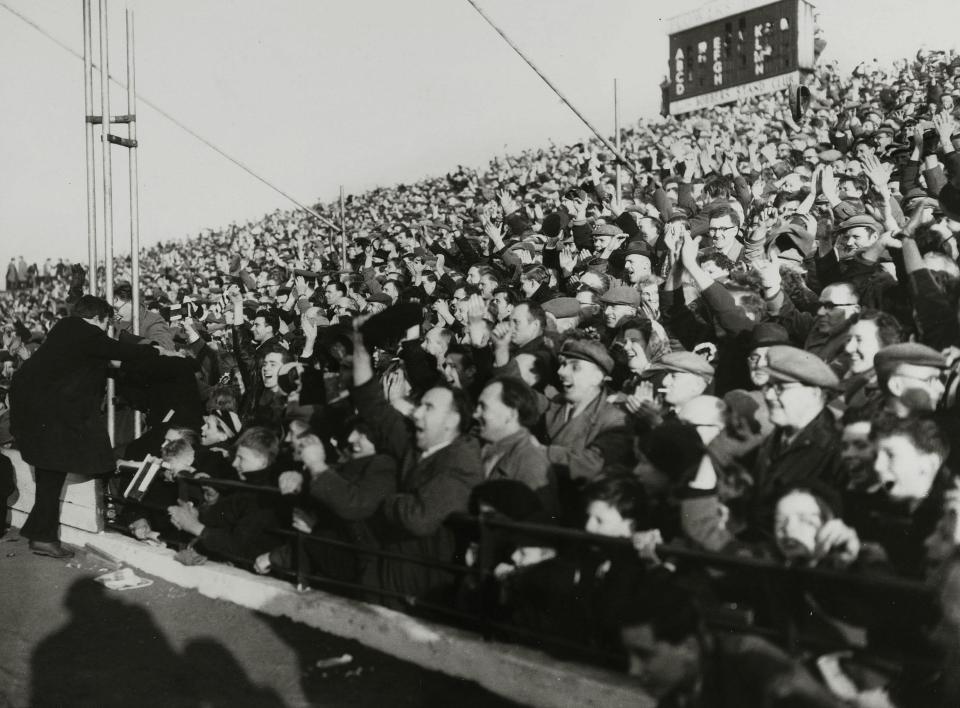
[588, 350]
[621, 295]
[686, 362]
[606, 230]
[766, 334]
[793, 365]
[561, 307]
[859, 220]
[888, 358]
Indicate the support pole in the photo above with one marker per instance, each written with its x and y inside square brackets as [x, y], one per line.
[107, 188]
[616, 136]
[343, 232]
[134, 194]
[549, 83]
[147, 102]
[89, 149]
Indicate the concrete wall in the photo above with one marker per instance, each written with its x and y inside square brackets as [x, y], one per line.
[80, 501]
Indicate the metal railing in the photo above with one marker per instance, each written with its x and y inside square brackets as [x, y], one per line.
[489, 530]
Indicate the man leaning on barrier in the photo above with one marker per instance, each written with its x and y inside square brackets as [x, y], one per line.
[56, 399]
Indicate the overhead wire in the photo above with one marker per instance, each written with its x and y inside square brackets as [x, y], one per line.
[620, 157]
[180, 124]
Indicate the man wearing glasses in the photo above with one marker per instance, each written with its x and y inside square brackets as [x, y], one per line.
[823, 333]
[804, 447]
[724, 230]
[911, 375]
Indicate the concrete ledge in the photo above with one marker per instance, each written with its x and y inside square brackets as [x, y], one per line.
[520, 674]
[80, 499]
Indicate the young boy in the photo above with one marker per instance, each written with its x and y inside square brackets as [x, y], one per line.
[235, 525]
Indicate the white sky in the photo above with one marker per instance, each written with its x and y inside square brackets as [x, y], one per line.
[315, 93]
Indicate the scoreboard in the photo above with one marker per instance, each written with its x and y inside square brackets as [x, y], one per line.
[732, 49]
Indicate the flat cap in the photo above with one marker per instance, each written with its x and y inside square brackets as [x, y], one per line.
[588, 350]
[606, 230]
[382, 298]
[621, 295]
[830, 155]
[561, 307]
[800, 237]
[888, 358]
[638, 248]
[685, 362]
[793, 365]
[859, 220]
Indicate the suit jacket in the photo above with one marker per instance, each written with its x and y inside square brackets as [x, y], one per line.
[812, 457]
[577, 446]
[153, 328]
[56, 397]
[429, 490]
[520, 458]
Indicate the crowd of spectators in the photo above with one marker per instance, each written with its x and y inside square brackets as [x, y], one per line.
[749, 350]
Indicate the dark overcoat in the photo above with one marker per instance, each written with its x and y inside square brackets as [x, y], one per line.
[56, 396]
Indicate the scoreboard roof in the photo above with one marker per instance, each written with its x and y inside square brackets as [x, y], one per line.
[712, 11]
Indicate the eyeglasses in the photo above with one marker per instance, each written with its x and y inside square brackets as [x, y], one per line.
[827, 305]
[713, 230]
[928, 380]
[779, 387]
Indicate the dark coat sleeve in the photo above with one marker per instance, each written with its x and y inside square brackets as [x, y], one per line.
[236, 525]
[100, 346]
[389, 431]
[936, 317]
[729, 316]
[354, 500]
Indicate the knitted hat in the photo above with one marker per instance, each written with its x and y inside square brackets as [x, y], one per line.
[230, 420]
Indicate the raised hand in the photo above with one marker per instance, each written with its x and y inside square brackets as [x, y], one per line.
[475, 309]
[507, 202]
[689, 249]
[878, 172]
[290, 483]
[945, 126]
[309, 328]
[494, 232]
[673, 237]
[568, 259]
[828, 186]
[501, 335]
[303, 521]
[769, 272]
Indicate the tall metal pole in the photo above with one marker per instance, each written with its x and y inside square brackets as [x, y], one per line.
[134, 193]
[616, 131]
[343, 232]
[90, 157]
[107, 185]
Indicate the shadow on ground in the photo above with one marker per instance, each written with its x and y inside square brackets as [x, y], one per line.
[111, 654]
[372, 678]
